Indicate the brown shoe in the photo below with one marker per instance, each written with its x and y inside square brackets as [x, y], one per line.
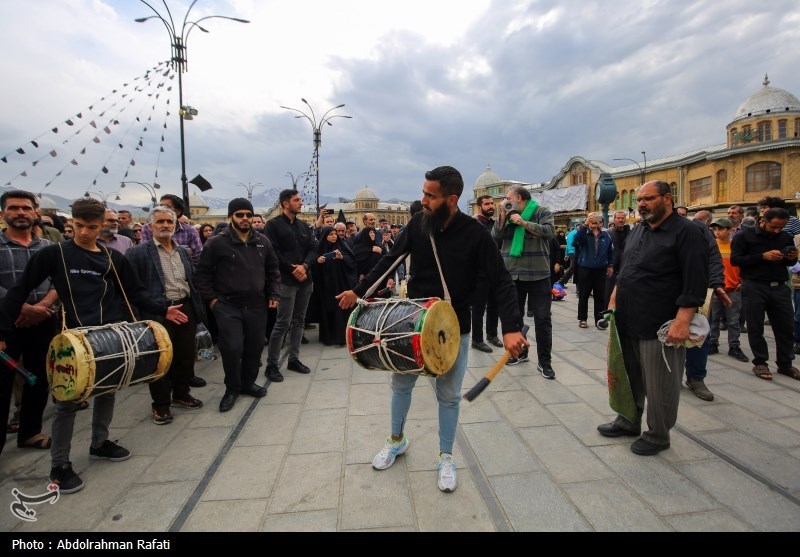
[699, 388]
[762, 371]
[791, 371]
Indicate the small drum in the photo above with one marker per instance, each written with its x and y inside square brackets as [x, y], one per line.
[419, 336]
[90, 361]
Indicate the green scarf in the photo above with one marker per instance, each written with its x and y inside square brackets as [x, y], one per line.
[519, 233]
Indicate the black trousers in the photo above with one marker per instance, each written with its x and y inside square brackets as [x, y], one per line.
[540, 292]
[591, 281]
[241, 341]
[29, 347]
[175, 383]
[484, 302]
[776, 301]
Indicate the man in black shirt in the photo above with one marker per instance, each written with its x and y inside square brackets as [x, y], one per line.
[619, 232]
[762, 255]
[665, 270]
[463, 245]
[484, 301]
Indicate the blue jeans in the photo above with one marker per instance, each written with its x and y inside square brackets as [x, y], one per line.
[448, 393]
[696, 359]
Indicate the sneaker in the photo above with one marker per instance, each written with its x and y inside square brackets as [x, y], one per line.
[162, 417]
[386, 457]
[514, 361]
[111, 451]
[699, 388]
[546, 370]
[713, 349]
[273, 373]
[66, 479]
[447, 473]
[736, 352]
[298, 366]
[187, 401]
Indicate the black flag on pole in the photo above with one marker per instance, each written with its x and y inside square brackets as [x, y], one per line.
[201, 183]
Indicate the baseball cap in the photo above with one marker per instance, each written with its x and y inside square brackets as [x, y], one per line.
[722, 222]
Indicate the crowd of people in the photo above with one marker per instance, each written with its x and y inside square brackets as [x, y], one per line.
[257, 283]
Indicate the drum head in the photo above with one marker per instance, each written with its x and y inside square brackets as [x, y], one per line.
[70, 366]
[165, 345]
[440, 337]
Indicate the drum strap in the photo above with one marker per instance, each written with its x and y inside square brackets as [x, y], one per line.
[119, 283]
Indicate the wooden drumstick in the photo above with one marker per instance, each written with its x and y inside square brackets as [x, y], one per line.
[483, 383]
[14, 365]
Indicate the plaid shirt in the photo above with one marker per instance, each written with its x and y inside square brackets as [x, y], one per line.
[13, 259]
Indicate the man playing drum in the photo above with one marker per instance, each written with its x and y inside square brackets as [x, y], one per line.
[463, 246]
[85, 278]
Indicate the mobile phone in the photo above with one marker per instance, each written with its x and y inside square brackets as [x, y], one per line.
[788, 249]
[329, 255]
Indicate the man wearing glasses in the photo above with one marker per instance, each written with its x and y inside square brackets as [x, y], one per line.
[110, 236]
[238, 277]
[664, 269]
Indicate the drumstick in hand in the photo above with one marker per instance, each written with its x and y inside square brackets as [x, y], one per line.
[14, 365]
[483, 383]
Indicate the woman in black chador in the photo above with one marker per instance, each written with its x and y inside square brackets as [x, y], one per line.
[334, 271]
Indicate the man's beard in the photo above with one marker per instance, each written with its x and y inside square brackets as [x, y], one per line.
[652, 215]
[488, 213]
[21, 223]
[241, 228]
[435, 221]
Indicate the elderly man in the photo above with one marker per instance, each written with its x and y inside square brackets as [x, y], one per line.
[185, 234]
[665, 270]
[595, 266]
[166, 273]
[110, 236]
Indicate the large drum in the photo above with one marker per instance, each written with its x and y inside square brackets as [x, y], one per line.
[419, 336]
[90, 361]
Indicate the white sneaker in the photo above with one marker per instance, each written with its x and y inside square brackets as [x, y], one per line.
[386, 457]
[447, 473]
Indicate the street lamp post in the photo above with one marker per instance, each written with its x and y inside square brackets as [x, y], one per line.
[179, 41]
[316, 126]
[104, 197]
[151, 189]
[641, 172]
[250, 187]
[296, 179]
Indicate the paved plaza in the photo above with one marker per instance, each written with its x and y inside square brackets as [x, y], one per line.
[529, 457]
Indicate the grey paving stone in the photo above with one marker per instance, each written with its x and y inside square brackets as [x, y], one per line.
[684, 449]
[423, 449]
[731, 372]
[585, 360]
[610, 506]
[329, 369]
[312, 521]
[328, 394]
[712, 521]
[582, 420]
[695, 417]
[595, 395]
[754, 401]
[750, 501]
[565, 458]
[151, 439]
[360, 375]
[293, 389]
[656, 482]
[787, 397]
[569, 375]
[375, 499]
[499, 449]
[319, 431]
[533, 503]
[188, 456]
[308, 482]
[270, 424]
[365, 437]
[793, 422]
[210, 416]
[147, 507]
[766, 431]
[246, 473]
[546, 391]
[460, 511]
[370, 398]
[481, 409]
[772, 464]
[242, 515]
[521, 409]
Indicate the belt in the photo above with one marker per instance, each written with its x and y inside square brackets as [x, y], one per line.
[185, 300]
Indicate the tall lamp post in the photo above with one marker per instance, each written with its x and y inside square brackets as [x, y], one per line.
[104, 197]
[316, 126]
[151, 189]
[641, 172]
[179, 41]
[296, 179]
[250, 187]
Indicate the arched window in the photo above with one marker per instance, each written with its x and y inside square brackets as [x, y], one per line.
[782, 129]
[763, 176]
[722, 186]
[734, 137]
[625, 199]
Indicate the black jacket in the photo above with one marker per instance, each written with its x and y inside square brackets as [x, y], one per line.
[294, 245]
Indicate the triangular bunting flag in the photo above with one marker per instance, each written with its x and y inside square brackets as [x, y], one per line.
[73, 161]
[93, 124]
[35, 163]
[133, 162]
[24, 173]
[4, 159]
[79, 115]
[53, 153]
[201, 183]
[21, 151]
[83, 151]
[35, 144]
[96, 139]
[120, 145]
[106, 130]
[54, 130]
[162, 149]
[70, 123]
[105, 170]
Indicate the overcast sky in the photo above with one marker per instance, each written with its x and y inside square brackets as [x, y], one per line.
[521, 85]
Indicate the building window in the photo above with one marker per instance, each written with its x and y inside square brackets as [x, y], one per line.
[797, 127]
[781, 129]
[625, 199]
[722, 186]
[764, 131]
[747, 134]
[673, 187]
[763, 176]
[734, 137]
[699, 188]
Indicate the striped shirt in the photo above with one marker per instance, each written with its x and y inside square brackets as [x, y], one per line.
[13, 260]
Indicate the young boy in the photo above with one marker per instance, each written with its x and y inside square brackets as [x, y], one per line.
[83, 275]
[733, 287]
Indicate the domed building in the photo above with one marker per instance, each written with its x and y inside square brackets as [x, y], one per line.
[197, 207]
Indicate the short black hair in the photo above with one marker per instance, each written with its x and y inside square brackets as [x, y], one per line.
[415, 207]
[450, 180]
[18, 194]
[776, 213]
[286, 195]
[88, 209]
[177, 202]
[480, 199]
[772, 202]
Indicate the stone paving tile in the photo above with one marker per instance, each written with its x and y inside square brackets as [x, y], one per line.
[786, 397]
[226, 516]
[766, 431]
[595, 396]
[481, 409]
[460, 511]
[792, 422]
[729, 372]
[683, 449]
[533, 503]
[376, 499]
[423, 449]
[546, 391]
[795, 453]
[312, 521]
[753, 401]
[38, 486]
[149, 438]
[775, 465]
[569, 375]
[566, 458]
[499, 449]
[695, 417]
[360, 375]
[610, 506]
[210, 416]
[308, 482]
[328, 394]
[370, 398]
[365, 437]
[582, 420]
[189, 455]
[270, 424]
[585, 360]
[743, 495]
[246, 473]
[712, 521]
[149, 507]
[656, 482]
[423, 401]
[292, 390]
[521, 409]
[319, 431]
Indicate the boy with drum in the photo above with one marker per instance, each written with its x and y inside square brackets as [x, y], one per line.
[462, 246]
[86, 277]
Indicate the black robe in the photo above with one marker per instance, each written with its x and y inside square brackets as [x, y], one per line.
[333, 277]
